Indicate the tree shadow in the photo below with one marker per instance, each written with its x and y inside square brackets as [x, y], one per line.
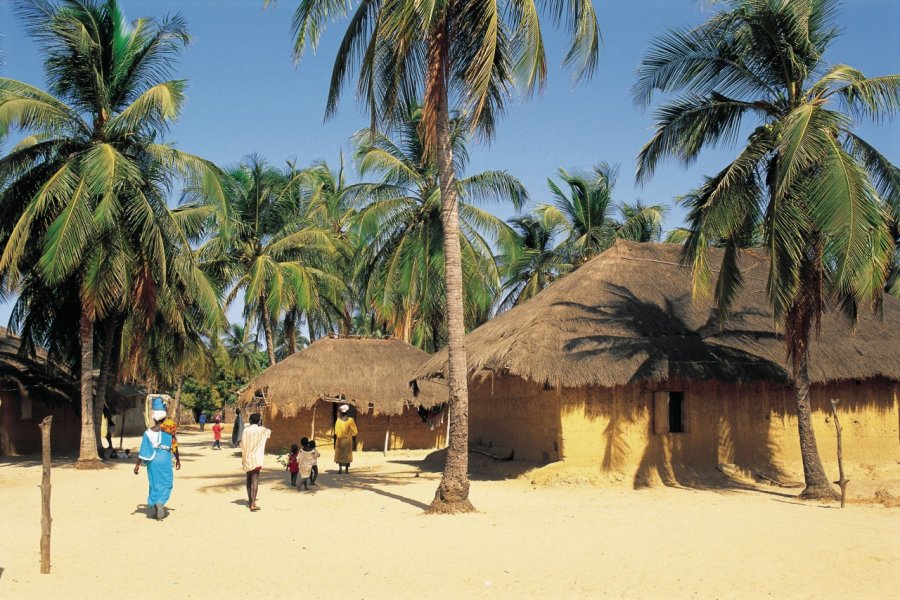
[660, 342]
[371, 483]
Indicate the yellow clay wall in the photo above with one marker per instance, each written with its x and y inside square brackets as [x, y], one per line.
[751, 426]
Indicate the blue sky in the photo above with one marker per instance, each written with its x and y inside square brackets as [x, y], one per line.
[246, 95]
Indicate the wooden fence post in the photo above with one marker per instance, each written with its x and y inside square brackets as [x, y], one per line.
[840, 454]
[45, 495]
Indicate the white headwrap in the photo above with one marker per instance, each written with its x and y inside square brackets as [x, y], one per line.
[159, 415]
[344, 408]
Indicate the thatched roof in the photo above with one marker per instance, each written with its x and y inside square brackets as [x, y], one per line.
[33, 374]
[362, 371]
[50, 379]
[627, 316]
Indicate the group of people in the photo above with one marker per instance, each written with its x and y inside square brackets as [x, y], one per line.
[159, 446]
[304, 461]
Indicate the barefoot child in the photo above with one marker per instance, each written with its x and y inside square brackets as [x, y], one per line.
[307, 461]
[293, 466]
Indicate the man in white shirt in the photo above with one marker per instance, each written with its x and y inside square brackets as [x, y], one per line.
[253, 451]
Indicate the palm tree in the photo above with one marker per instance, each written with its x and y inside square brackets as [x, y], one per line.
[289, 339]
[275, 256]
[474, 52]
[323, 192]
[536, 264]
[818, 188]
[587, 213]
[84, 196]
[242, 351]
[402, 237]
[640, 222]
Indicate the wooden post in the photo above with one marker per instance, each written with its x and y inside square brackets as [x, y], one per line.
[387, 435]
[840, 454]
[122, 430]
[45, 495]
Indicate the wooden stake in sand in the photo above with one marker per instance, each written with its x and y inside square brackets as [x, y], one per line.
[387, 435]
[45, 495]
[841, 481]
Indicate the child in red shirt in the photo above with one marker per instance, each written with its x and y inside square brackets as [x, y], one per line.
[293, 464]
[217, 436]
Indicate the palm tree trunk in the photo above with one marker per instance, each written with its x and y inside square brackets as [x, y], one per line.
[88, 458]
[452, 495]
[348, 323]
[176, 409]
[311, 328]
[290, 328]
[817, 485]
[267, 328]
[108, 329]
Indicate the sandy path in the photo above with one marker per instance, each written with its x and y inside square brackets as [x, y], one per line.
[556, 543]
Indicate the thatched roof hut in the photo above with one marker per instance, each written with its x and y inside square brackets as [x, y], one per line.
[299, 395]
[364, 372]
[628, 316]
[616, 370]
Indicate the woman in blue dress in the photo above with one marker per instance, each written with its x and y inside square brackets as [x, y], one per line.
[156, 451]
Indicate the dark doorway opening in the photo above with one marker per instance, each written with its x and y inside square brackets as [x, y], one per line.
[676, 412]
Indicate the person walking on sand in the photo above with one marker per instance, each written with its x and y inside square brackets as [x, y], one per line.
[253, 451]
[238, 428]
[202, 421]
[217, 436]
[157, 451]
[345, 433]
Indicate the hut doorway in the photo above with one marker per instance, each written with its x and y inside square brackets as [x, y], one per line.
[335, 403]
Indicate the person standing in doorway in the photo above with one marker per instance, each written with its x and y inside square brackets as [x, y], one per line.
[253, 451]
[238, 428]
[345, 433]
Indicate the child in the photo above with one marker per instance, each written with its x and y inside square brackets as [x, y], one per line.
[314, 473]
[293, 466]
[217, 436]
[307, 461]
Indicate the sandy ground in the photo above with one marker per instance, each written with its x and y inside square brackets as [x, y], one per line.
[364, 536]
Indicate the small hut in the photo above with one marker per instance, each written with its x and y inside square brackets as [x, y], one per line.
[299, 396]
[616, 369]
[29, 391]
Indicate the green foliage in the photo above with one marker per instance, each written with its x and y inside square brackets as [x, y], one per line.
[401, 259]
[278, 257]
